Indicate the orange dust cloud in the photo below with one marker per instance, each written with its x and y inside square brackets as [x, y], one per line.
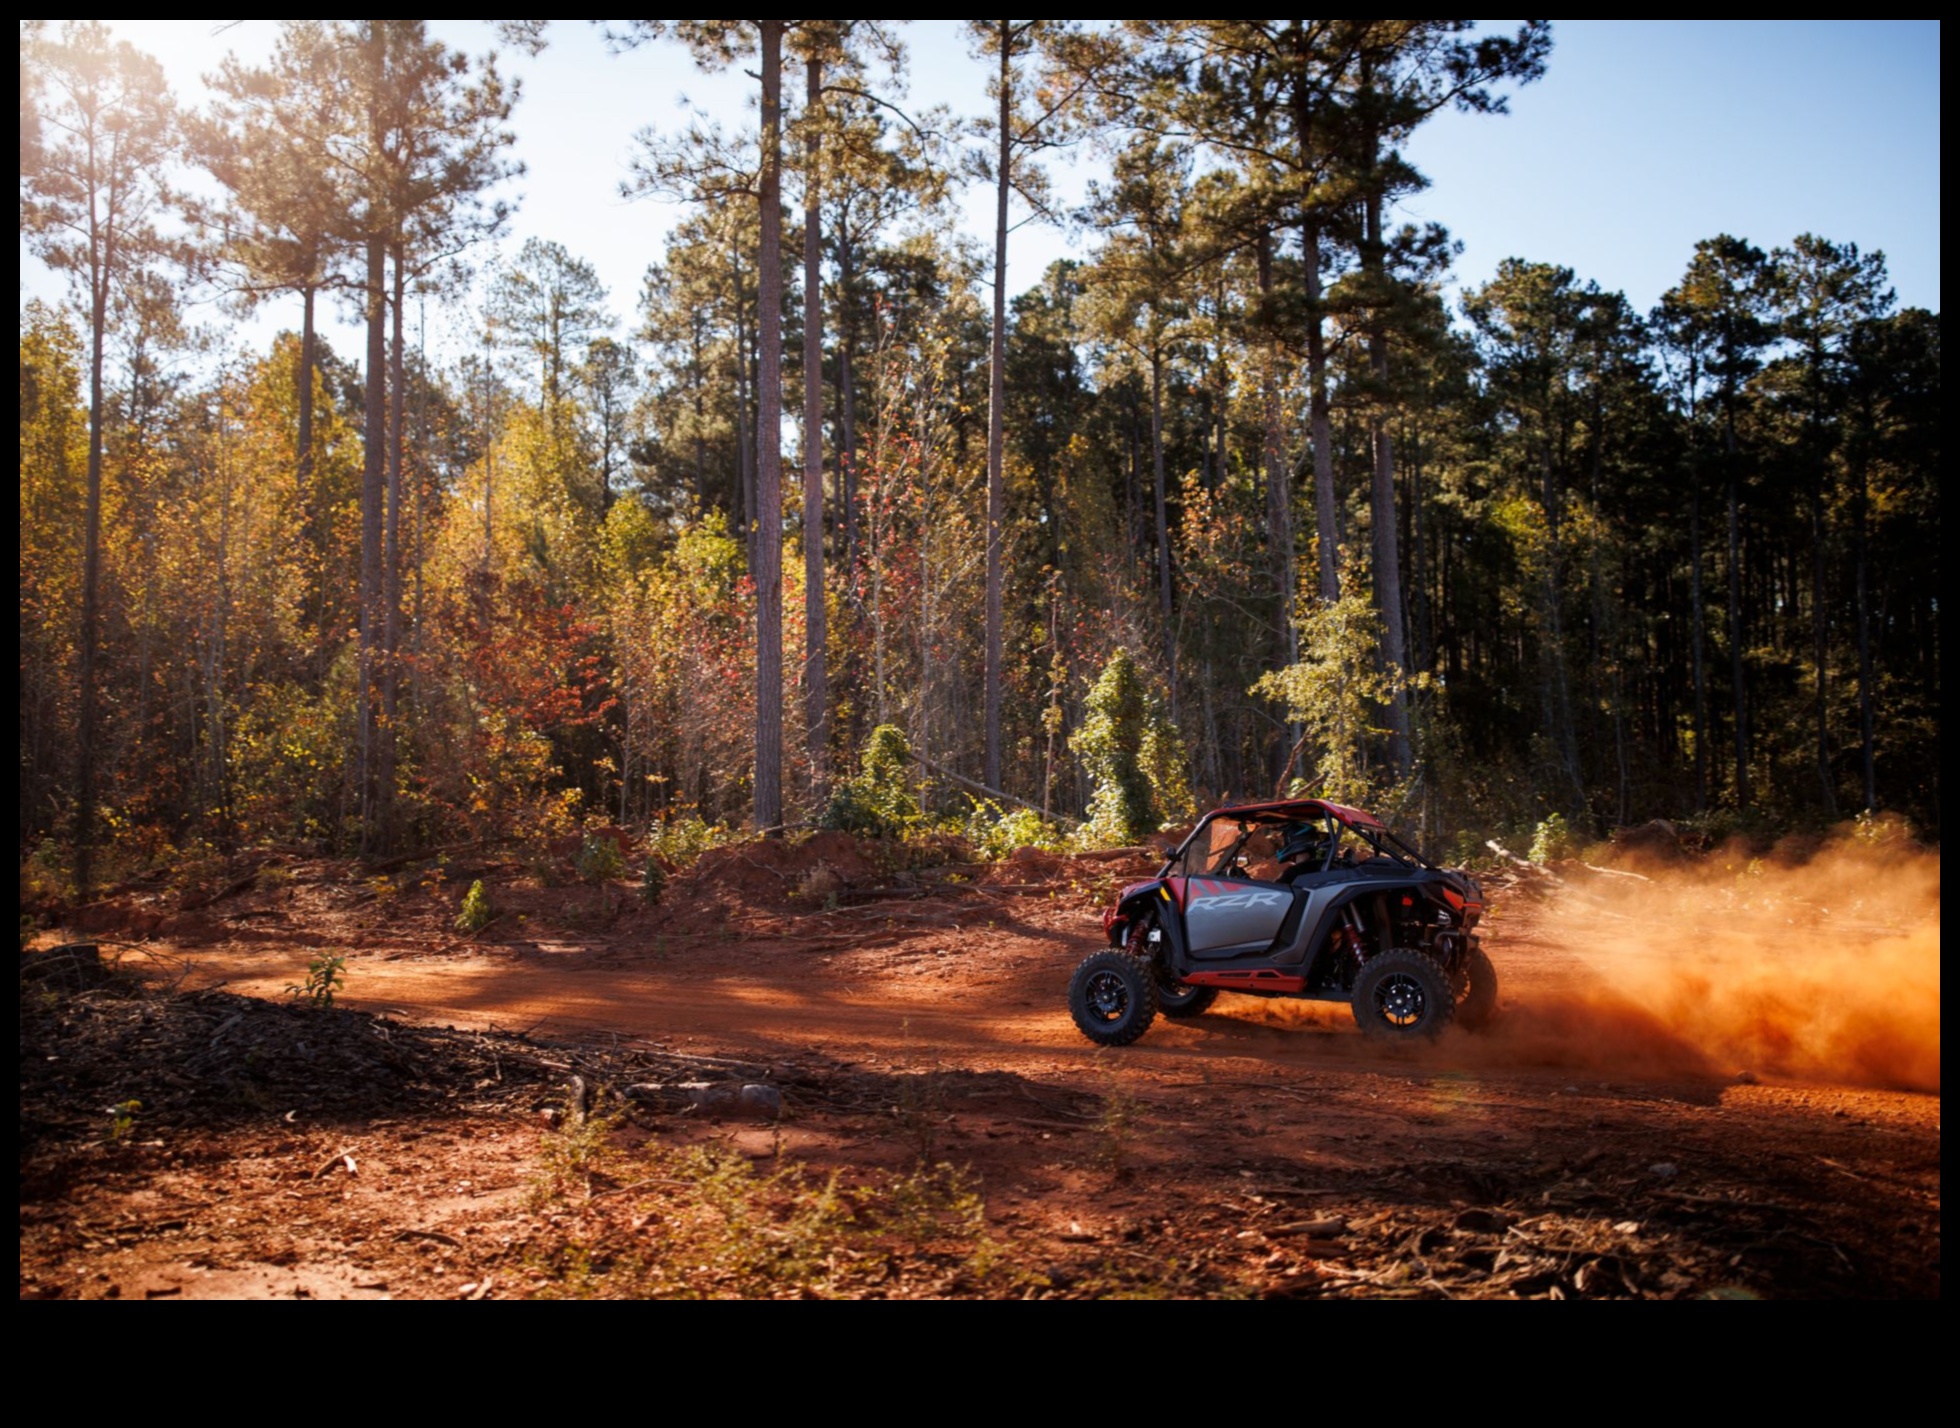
[1816, 965]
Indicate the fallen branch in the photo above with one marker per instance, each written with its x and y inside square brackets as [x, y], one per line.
[402, 859]
[1615, 873]
[231, 889]
[339, 1157]
[1536, 869]
[992, 792]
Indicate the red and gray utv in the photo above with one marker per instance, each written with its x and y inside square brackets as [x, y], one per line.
[1299, 898]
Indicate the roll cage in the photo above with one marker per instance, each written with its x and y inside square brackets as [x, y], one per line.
[1240, 840]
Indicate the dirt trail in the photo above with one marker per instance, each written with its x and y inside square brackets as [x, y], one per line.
[1691, 1154]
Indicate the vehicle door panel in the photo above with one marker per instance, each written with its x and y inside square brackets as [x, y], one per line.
[1224, 917]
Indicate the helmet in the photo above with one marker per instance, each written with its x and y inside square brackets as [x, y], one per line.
[1302, 842]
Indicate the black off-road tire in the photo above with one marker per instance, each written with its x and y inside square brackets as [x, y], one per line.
[1113, 998]
[1174, 998]
[1180, 999]
[1477, 1003]
[1401, 995]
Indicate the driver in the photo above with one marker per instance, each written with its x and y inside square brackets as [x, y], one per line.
[1302, 850]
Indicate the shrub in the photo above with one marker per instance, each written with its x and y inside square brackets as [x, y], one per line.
[476, 912]
[677, 839]
[1133, 753]
[878, 803]
[995, 834]
[599, 859]
[653, 882]
[1553, 840]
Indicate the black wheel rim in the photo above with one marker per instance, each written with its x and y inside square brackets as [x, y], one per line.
[1400, 1000]
[1108, 997]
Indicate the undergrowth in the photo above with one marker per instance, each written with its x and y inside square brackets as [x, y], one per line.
[707, 1222]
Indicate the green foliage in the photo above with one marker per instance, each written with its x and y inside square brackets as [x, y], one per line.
[1882, 830]
[476, 910]
[579, 1148]
[878, 802]
[1553, 840]
[1116, 1126]
[1133, 755]
[599, 859]
[1336, 693]
[44, 876]
[122, 1121]
[717, 1224]
[994, 834]
[325, 975]
[653, 882]
[677, 839]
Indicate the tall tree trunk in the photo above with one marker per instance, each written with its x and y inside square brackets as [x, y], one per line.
[1699, 636]
[997, 409]
[1558, 696]
[374, 445]
[744, 494]
[847, 443]
[311, 502]
[374, 470]
[391, 571]
[489, 460]
[85, 732]
[700, 384]
[816, 687]
[1738, 671]
[1320, 428]
[1279, 489]
[1862, 515]
[768, 810]
[1163, 520]
[1421, 621]
[1388, 560]
[1820, 646]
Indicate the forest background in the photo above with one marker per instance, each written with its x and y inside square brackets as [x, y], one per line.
[348, 519]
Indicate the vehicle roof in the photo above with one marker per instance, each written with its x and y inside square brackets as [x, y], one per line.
[1298, 808]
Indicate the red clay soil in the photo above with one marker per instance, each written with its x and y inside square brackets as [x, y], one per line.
[413, 1142]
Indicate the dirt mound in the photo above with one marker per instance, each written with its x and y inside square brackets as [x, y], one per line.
[210, 1057]
[1024, 865]
[1656, 841]
[774, 872]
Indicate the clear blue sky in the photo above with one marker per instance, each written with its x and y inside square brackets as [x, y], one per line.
[1642, 138]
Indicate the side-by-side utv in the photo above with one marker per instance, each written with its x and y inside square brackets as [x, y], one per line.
[1298, 898]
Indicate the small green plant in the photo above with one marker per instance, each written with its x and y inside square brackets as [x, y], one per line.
[1116, 1126]
[920, 1108]
[580, 1148]
[122, 1121]
[878, 803]
[1553, 840]
[653, 882]
[822, 884]
[599, 859]
[325, 975]
[476, 911]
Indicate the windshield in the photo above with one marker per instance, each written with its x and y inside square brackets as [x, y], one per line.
[1228, 847]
